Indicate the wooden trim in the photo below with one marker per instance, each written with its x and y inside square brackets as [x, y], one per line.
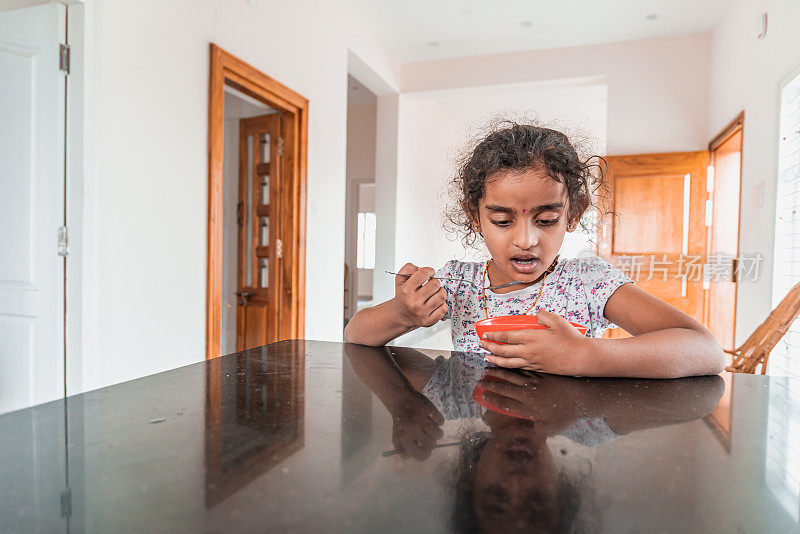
[734, 126]
[228, 69]
[731, 128]
[299, 247]
[214, 234]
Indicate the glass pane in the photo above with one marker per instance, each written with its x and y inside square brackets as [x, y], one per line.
[264, 231]
[248, 260]
[369, 241]
[365, 241]
[265, 190]
[264, 148]
[264, 273]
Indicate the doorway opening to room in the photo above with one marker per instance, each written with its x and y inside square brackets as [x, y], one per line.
[360, 221]
[256, 208]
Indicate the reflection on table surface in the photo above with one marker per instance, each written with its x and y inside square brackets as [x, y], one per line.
[312, 436]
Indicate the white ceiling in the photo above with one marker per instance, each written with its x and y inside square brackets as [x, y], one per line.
[419, 30]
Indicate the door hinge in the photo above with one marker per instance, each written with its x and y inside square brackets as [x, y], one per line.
[63, 241]
[281, 146]
[279, 248]
[239, 218]
[66, 503]
[63, 58]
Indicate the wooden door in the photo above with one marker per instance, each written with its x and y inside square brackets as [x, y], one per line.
[656, 232]
[259, 220]
[32, 206]
[724, 186]
[227, 69]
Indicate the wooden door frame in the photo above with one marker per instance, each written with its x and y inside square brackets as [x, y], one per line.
[226, 69]
[735, 125]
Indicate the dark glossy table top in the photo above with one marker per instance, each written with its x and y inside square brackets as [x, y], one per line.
[300, 436]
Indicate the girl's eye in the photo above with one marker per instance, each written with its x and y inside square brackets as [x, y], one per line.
[548, 222]
[501, 223]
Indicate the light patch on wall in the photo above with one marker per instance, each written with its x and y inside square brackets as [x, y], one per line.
[757, 196]
[365, 255]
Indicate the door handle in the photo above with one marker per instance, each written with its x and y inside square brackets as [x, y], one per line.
[243, 297]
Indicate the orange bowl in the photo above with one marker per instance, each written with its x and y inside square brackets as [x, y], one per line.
[513, 322]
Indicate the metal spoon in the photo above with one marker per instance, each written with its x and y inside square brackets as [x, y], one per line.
[499, 286]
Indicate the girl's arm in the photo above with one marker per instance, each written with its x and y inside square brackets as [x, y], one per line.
[419, 300]
[666, 342]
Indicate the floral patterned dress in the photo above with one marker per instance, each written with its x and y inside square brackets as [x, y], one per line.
[577, 289]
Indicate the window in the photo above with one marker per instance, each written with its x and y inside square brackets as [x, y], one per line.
[785, 359]
[365, 250]
[782, 466]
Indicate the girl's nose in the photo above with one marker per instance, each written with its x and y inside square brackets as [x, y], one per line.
[526, 237]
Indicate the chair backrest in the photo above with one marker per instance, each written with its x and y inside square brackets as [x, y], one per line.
[756, 349]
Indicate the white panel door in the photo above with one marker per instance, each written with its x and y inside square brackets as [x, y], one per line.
[31, 206]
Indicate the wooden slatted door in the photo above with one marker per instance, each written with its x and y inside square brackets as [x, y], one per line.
[656, 232]
[259, 221]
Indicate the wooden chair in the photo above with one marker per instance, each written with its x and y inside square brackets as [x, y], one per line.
[756, 349]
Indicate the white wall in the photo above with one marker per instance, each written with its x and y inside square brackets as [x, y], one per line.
[361, 129]
[361, 142]
[145, 186]
[230, 234]
[657, 88]
[386, 160]
[747, 74]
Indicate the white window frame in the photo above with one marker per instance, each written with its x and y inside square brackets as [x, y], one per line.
[782, 468]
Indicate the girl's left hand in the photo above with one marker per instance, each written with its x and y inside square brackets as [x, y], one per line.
[560, 349]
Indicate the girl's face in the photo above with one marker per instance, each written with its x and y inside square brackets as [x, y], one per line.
[516, 480]
[523, 219]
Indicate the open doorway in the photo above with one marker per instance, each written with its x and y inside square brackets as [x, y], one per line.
[255, 292]
[248, 140]
[360, 221]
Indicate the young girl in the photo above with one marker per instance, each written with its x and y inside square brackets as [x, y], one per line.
[521, 189]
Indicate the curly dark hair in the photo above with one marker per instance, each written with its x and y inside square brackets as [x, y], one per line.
[575, 498]
[509, 146]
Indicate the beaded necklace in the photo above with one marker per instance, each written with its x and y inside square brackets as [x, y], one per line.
[483, 288]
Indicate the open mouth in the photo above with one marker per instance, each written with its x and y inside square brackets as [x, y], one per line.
[524, 263]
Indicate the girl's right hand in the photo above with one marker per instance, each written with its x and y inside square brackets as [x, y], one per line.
[421, 298]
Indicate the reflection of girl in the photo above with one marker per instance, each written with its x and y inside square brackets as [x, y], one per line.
[453, 381]
[507, 479]
[519, 191]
